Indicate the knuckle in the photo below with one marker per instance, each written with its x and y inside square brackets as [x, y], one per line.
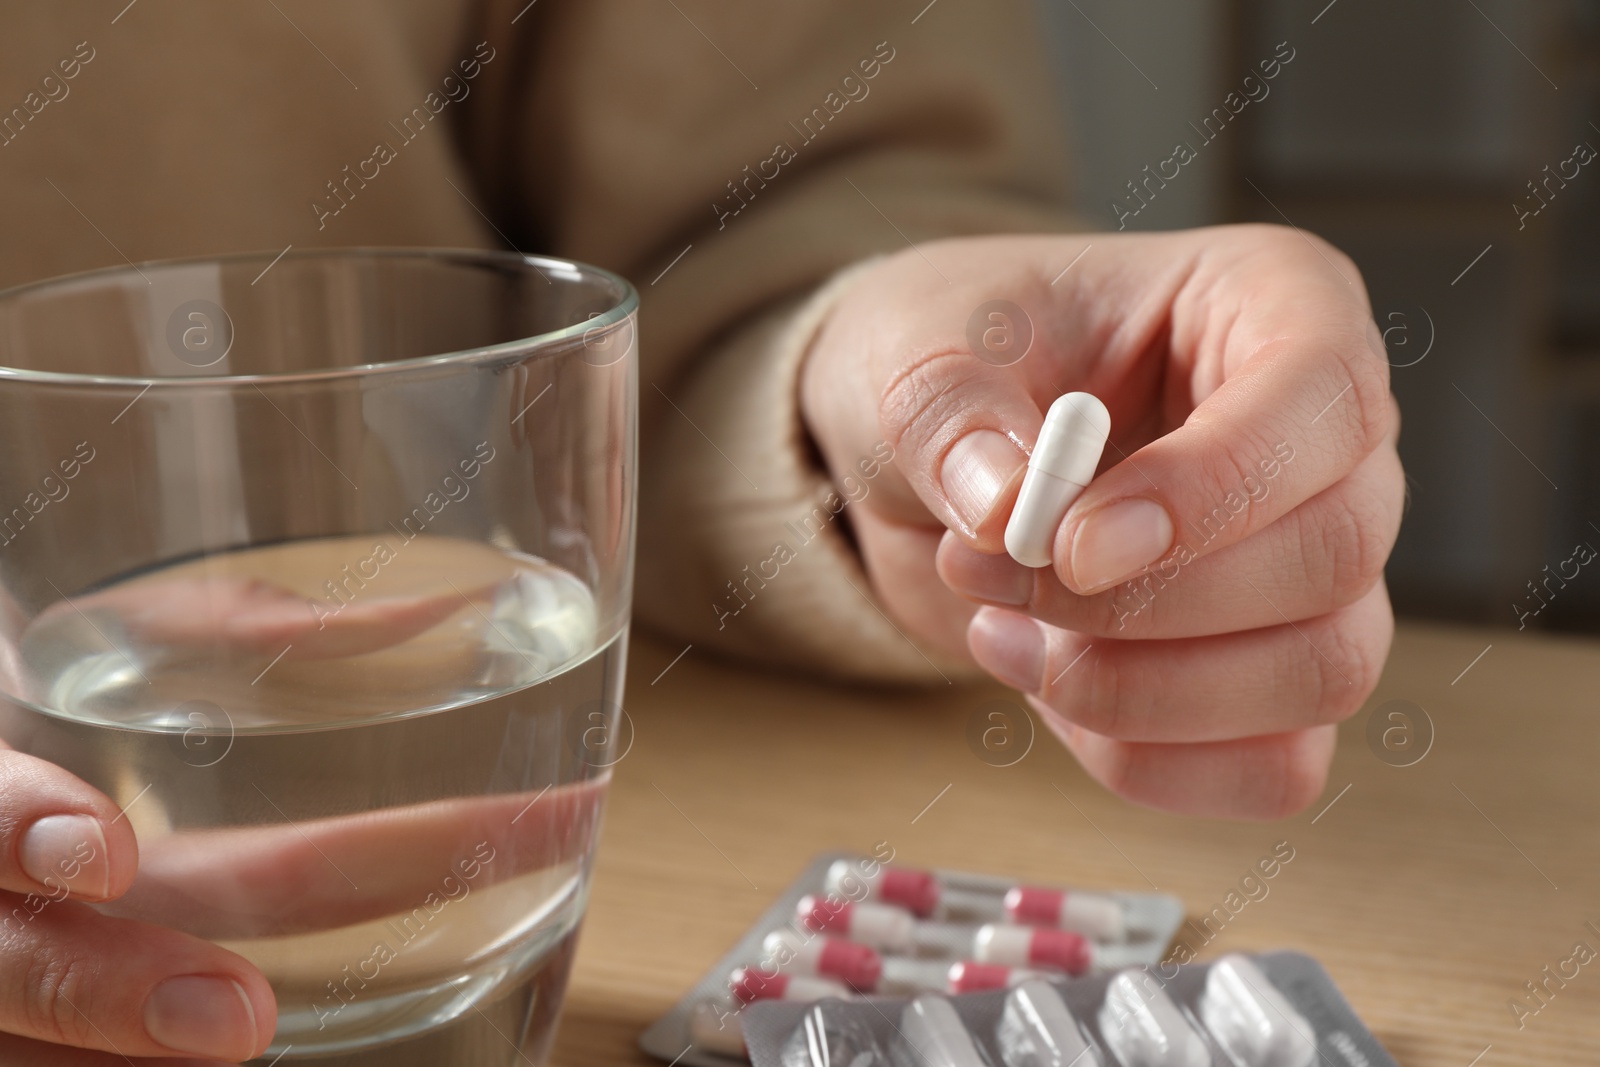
[1102, 698]
[1305, 244]
[1374, 403]
[1346, 673]
[1228, 476]
[56, 994]
[1129, 609]
[1297, 243]
[1117, 768]
[1341, 261]
[1271, 236]
[1368, 663]
[1351, 536]
[1301, 775]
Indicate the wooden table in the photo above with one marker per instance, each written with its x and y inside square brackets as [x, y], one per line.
[1431, 892]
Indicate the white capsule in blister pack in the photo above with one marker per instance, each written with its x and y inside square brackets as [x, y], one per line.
[933, 1035]
[1037, 1030]
[828, 1037]
[1230, 1014]
[1144, 1028]
[1252, 1020]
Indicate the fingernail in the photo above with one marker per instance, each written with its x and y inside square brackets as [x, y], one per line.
[204, 1015]
[1119, 541]
[994, 579]
[976, 470]
[1010, 647]
[70, 851]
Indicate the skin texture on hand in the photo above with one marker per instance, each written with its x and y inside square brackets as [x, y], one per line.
[1216, 599]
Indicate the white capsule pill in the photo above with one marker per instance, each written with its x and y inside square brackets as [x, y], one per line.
[1252, 1020]
[1144, 1028]
[931, 1034]
[830, 1035]
[1063, 462]
[1037, 1030]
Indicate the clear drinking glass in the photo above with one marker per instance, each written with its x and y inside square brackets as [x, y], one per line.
[320, 567]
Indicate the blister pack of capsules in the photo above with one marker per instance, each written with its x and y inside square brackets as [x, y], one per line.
[863, 964]
[852, 926]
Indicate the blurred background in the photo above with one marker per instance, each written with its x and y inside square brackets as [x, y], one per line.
[1416, 135]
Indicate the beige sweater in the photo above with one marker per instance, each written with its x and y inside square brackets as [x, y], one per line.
[729, 158]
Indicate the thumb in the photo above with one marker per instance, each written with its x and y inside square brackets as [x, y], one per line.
[962, 431]
[947, 374]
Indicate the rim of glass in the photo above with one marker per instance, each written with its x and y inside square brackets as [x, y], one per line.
[619, 311]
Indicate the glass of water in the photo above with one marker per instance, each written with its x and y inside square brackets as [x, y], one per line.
[319, 566]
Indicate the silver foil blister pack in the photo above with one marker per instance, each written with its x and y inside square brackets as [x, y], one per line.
[1275, 1010]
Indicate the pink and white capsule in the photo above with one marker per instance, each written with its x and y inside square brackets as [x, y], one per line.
[749, 984]
[1096, 915]
[1033, 946]
[877, 926]
[916, 891]
[856, 965]
[970, 976]
[1044, 948]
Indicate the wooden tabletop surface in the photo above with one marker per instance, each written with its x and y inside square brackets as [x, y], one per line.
[1431, 892]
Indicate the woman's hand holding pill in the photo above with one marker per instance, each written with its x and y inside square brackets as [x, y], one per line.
[1214, 600]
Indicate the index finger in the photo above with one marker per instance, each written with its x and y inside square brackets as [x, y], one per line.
[1291, 392]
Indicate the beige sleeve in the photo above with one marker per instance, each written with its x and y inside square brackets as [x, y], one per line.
[731, 164]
